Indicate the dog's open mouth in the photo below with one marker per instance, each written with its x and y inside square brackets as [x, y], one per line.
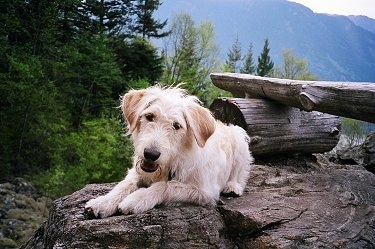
[148, 167]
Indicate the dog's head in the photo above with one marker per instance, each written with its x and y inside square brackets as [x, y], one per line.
[164, 123]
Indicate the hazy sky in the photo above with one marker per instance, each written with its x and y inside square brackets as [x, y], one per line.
[341, 7]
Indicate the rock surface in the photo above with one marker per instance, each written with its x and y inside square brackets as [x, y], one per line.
[363, 154]
[22, 210]
[294, 205]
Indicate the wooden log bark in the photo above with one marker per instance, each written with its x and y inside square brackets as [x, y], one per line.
[346, 99]
[278, 129]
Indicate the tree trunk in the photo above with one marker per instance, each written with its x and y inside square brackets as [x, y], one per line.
[346, 99]
[278, 129]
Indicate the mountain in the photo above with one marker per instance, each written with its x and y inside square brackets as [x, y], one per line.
[364, 22]
[336, 48]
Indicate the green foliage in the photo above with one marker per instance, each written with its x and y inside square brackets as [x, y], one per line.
[30, 114]
[293, 68]
[145, 25]
[248, 65]
[190, 55]
[265, 65]
[95, 153]
[139, 59]
[88, 74]
[62, 70]
[139, 84]
[234, 57]
[354, 130]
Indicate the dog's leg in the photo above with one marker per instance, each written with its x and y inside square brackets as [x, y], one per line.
[106, 205]
[164, 193]
[235, 184]
[238, 178]
[241, 166]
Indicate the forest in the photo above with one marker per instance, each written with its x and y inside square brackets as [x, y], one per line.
[64, 65]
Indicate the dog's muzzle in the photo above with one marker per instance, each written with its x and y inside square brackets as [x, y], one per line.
[148, 167]
[148, 162]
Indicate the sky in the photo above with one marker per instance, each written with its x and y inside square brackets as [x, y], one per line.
[341, 7]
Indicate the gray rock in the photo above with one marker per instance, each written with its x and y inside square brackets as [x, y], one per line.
[363, 154]
[368, 148]
[324, 206]
[22, 210]
[166, 227]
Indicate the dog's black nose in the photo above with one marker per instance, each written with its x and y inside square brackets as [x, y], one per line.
[151, 154]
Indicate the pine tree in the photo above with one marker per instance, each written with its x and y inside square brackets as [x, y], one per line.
[144, 23]
[105, 16]
[138, 60]
[265, 65]
[248, 66]
[69, 20]
[61, 65]
[234, 57]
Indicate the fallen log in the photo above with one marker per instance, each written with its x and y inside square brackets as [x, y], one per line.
[346, 99]
[278, 129]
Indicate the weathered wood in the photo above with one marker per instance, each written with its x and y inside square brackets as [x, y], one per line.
[278, 129]
[347, 99]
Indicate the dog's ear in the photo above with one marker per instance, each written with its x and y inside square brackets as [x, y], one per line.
[130, 106]
[201, 122]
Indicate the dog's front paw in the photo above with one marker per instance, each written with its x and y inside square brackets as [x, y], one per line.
[232, 189]
[137, 202]
[101, 207]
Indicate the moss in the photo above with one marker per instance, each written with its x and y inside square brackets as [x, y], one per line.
[7, 243]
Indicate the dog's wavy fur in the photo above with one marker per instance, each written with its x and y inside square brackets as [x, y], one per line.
[181, 154]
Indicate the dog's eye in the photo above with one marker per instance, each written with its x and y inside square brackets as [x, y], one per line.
[149, 117]
[176, 126]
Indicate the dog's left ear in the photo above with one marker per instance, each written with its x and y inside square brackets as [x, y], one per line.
[130, 107]
[201, 122]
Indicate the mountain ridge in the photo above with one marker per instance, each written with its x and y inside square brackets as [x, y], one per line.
[336, 48]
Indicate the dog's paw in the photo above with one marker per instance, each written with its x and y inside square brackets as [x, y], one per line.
[232, 189]
[101, 207]
[137, 202]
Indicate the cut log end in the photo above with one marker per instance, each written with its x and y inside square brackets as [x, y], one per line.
[278, 129]
[308, 102]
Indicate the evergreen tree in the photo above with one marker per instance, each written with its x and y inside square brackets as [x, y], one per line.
[29, 25]
[144, 24]
[87, 75]
[138, 60]
[72, 21]
[63, 65]
[13, 28]
[106, 16]
[234, 57]
[265, 65]
[248, 66]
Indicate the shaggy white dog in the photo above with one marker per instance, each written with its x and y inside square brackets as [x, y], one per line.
[181, 154]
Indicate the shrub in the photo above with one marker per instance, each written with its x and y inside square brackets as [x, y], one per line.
[354, 130]
[96, 153]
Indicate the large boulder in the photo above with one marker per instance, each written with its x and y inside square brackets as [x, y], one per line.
[22, 210]
[368, 148]
[308, 206]
[363, 154]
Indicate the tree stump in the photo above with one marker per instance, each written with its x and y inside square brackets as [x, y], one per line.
[275, 128]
